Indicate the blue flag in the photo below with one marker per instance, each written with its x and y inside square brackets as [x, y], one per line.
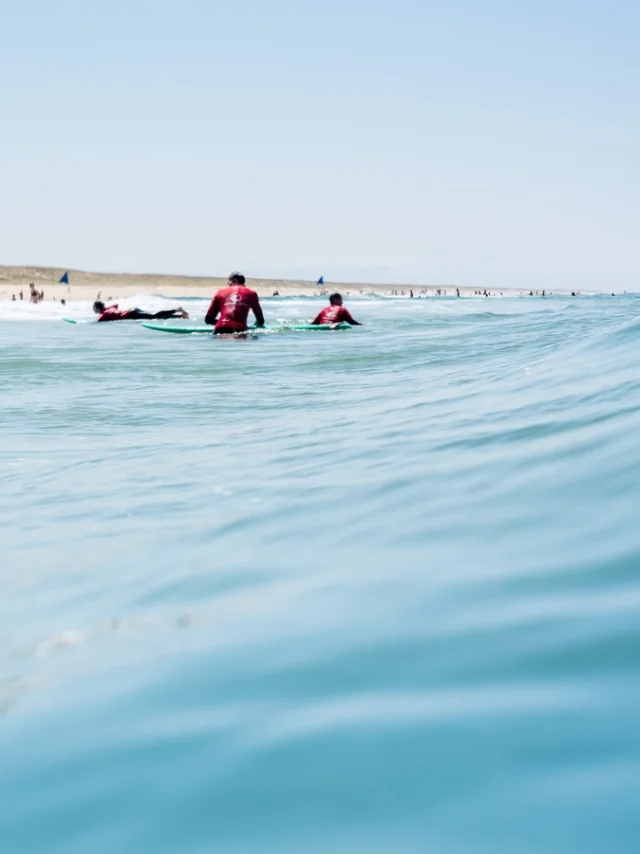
[65, 279]
[320, 281]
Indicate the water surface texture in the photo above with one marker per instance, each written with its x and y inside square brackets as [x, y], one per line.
[371, 592]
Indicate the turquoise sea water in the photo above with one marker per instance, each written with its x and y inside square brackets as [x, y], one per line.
[373, 591]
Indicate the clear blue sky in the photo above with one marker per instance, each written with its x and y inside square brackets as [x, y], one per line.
[488, 143]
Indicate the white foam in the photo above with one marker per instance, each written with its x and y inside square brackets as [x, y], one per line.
[82, 309]
[57, 642]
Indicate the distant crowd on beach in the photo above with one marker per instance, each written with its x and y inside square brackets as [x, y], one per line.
[442, 292]
[35, 296]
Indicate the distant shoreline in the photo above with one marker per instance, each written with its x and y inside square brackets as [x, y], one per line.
[113, 286]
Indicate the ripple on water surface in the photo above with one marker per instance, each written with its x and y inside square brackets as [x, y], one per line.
[373, 591]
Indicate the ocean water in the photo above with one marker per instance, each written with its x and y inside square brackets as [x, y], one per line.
[371, 592]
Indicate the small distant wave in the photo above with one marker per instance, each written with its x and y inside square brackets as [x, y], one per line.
[25, 312]
[58, 642]
[169, 299]
[49, 310]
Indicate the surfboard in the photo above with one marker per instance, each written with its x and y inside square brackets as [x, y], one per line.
[293, 327]
[85, 320]
[93, 321]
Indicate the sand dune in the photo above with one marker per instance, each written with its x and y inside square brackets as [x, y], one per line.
[113, 286]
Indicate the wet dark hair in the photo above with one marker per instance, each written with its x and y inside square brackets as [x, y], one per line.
[237, 279]
[98, 307]
[335, 297]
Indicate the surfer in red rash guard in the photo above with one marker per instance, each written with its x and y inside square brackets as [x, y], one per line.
[334, 313]
[112, 312]
[233, 305]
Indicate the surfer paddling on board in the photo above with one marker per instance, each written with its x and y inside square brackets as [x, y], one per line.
[233, 305]
[334, 313]
[112, 312]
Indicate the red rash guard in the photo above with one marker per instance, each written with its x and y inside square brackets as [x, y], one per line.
[333, 314]
[111, 312]
[233, 305]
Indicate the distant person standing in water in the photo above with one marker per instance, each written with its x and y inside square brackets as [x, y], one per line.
[334, 313]
[231, 305]
[34, 296]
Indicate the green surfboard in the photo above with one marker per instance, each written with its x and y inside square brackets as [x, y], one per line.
[297, 327]
[81, 320]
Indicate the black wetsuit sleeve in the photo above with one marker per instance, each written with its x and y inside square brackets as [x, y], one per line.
[346, 318]
[212, 312]
[257, 310]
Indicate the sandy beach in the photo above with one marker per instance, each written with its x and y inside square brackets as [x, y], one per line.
[113, 286]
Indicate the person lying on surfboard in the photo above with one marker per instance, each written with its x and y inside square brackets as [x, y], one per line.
[334, 313]
[233, 304]
[112, 312]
